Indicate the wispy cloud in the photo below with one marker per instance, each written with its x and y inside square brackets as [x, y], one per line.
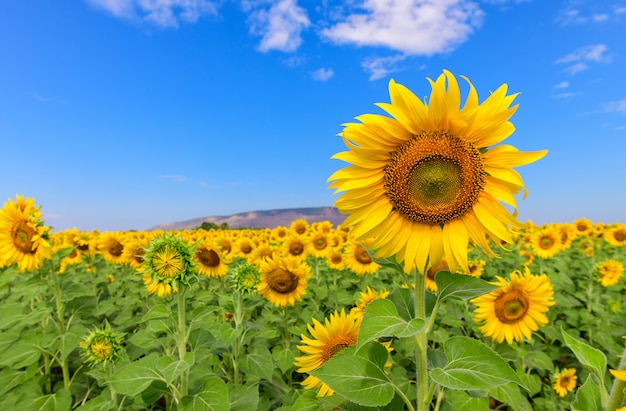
[164, 13]
[579, 59]
[412, 27]
[380, 67]
[280, 26]
[562, 85]
[43, 99]
[618, 106]
[323, 74]
[602, 12]
[565, 95]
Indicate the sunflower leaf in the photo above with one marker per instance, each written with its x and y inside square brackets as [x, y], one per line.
[134, 378]
[591, 358]
[214, 397]
[460, 286]
[381, 319]
[587, 397]
[473, 366]
[359, 377]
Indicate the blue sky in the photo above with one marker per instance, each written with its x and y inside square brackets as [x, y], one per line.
[125, 114]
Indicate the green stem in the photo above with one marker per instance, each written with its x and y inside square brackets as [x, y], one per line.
[65, 368]
[421, 344]
[182, 338]
[617, 391]
[402, 395]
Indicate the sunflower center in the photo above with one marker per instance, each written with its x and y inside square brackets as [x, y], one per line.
[546, 243]
[283, 281]
[342, 341]
[564, 381]
[620, 235]
[22, 235]
[296, 248]
[167, 262]
[361, 255]
[335, 259]
[115, 248]
[208, 257]
[138, 255]
[320, 243]
[511, 306]
[101, 348]
[434, 178]
[246, 248]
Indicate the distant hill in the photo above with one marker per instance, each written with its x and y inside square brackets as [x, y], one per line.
[263, 219]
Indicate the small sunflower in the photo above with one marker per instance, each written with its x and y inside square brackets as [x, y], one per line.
[318, 244]
[367, 297]
[336, 260]
[565, 381]
[168, 262]
[23, 235]
[609, 272]
[244, 247]
[111, 247]
[283, 280]
[295, 246]
[210, 261]
[546, 243]
[102, 346]
[432, 179]
[247, 278]
[431, 284]
[300, 227]
[339, 331]
[583, 226]
[476, 268]
[359, 260]
[616, 235]
[516, 309]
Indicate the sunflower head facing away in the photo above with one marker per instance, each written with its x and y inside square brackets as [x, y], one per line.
[431, 179]
[516, 309]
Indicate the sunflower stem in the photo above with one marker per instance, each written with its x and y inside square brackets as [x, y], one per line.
[65, 368]
[182, 338]
[617, 391]
[421, 344]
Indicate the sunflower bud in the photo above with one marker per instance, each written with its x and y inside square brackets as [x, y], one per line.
[101, 346]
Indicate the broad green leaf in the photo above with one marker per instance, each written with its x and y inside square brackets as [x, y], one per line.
[21, 354]
[473, 366]
[243, 398]
[460, 286]
[539, 360]
[97, 404]
[69, 342]
[511, 395]
[587, 397]
[460, 400]
[381, 319]
[258, 363]
[591, 358]
[59, 401]
[214, 397]
[402, 298]
[158, 311]
[171, 367]
[308, 401]
[359, 377]
[284, 358]
[226, 334]
[135, 377]
[9, 379]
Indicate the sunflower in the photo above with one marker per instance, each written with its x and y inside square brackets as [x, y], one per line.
[615, 235]
[515, 309]
[609, 272]
[583, 226]
[476, 268]
[23, 235]
[134, 249]
[243, 247]
[565, 381]
[210, 261]
[427, 182]
[318, 244]
[339, 331]
[300, 227]
[262, 252]
[336, 260]
[367, 297]
[359, 260]
[111, 247]
[102, 345]
[546, 242]
[431, 284]
[295, 246]
[283, 280]
[168, 262]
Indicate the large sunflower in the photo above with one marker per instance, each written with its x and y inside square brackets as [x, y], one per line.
[515, 309]
[23, 235]
[428, 181]
[339, 331]
[283, 280]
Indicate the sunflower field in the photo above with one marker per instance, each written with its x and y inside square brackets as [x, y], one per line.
[430, 296]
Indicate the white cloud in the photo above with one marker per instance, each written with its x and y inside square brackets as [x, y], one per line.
[615, 106]
[598, 18]
[323, 74]
[578, 60]
[562, 96]
[424, 27]
[165, 13]
[562, 85]
[380, 67]
[280, 26]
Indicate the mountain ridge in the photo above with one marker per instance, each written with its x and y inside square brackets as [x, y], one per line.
[261, 218]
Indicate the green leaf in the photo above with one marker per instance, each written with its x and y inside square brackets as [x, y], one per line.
[158, 311]
[171, 367]
[511, 395]
[10, 379]
[592, 359]
[59, 401]
[69, 342]
[460, 400]
[381, 319]
[284, 358]
[21, 354]
[214, 397]
[402, 298]
[358, 377]
[539, 361]
[587, 397]
[473, 366]
[135, 377]
[97, 404]
[243, 398]
[258, 363]
[460, 286]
